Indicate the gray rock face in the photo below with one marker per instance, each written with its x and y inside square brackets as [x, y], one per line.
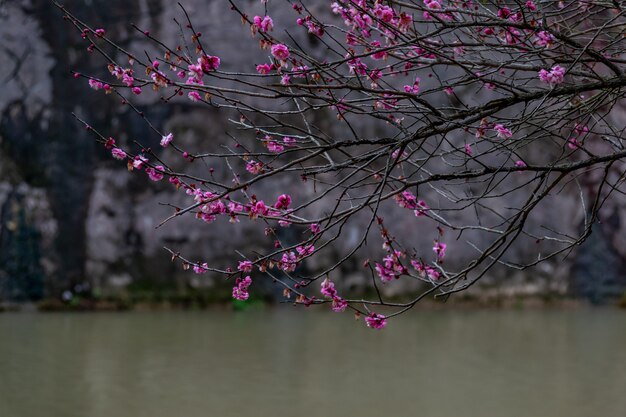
[80, 217]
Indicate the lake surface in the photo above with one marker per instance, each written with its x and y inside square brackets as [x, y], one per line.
[289, 362]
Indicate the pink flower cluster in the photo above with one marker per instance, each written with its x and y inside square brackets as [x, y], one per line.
[413, 89]
[408, 200]
[328, 290]
[391, 267]
[375, 321]
[545, 39]
[240, 290]
[263, 24]
[503, 132]
[280, 51]
[440, 250]
[554, 76]
[425, 271]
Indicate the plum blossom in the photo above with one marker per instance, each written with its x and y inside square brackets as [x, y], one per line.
[264, 24]
[328, 289]
[440, 250]
[254, 167]
[240, 290]
[139, 161]
[290, 142]
[275, 147]
[165, 140]
[305, 250]
[554, 76]
[288, 262]
[156, 173]
[574, 143]
[425, 271]
[263, 69]
[413, 89]
[200, 268]
[245, 266]
[503, 132]
[95, 84]
[384, 273]
[376, 321]
[194, 96]
[544, 39]
[119, 154]
[339, 305]
[283, 202]
[280, 51]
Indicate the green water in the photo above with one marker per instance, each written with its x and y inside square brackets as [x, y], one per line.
[285, 362]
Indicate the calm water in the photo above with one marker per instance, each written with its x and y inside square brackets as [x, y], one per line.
[294, 363]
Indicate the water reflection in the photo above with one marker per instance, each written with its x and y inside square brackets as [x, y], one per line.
[294, 363]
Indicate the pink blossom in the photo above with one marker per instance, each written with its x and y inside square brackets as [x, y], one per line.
[378, 54]
[128, 79]
[194, 96]
[384, 273]
[422, 208]
[263, 69]
[305, 250]
[96, 85]
[289, 141]
[288, 262]
[283, 202]
[275, 147]
[544, 39]
[254, 167]
[245, 266]
[413, 89]
[432, 4]
[520, 164]
[554, 76]
[580, 129]
[258, 209]
[165, 140]
[264, 24]
[156, 173]
[531, 5]
[328, 289]
[574, 143]
[110, 143]
[339, 305]
[440, 250]
[99, 32]
[503, 132]
[284, 223]
[240, 290]
[376, 321]
[209, 62]
[200, 268]
[117, 153]
[139, 161]
[468, 149]
[280, 51]
[315, 228]
[136, 90]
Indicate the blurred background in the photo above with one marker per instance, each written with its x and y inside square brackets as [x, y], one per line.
[77, 232]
